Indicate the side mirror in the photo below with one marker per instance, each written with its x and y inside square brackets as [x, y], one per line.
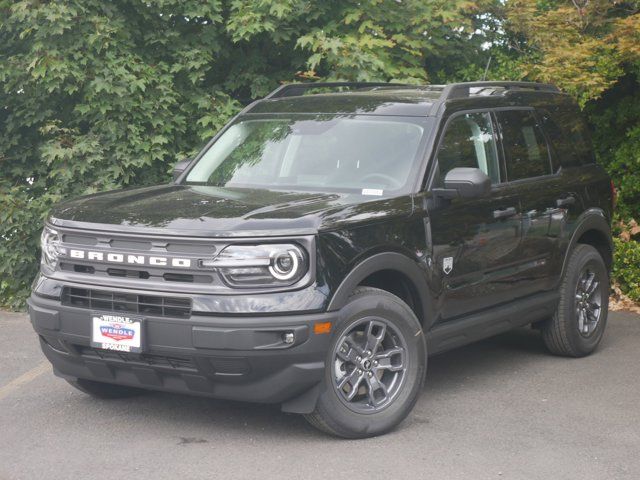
[180, 167]
[463, 182]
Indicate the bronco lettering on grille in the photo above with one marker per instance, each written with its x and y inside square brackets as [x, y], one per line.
[130, 259]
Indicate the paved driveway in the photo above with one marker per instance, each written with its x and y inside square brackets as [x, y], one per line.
[502, 409]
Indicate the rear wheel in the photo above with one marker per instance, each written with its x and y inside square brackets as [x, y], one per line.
[579, 322]
[375, 367]
[105, 390]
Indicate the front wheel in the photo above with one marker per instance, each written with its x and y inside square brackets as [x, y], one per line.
[375, 367]
[579, 322]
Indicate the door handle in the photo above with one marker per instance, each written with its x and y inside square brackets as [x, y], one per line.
[504, 213]
[566, 201]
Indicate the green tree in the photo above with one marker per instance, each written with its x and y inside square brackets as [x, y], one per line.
[583, 46]
[98, 95]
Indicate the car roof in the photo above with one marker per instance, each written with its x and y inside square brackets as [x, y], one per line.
[378, 101]
[401, 100]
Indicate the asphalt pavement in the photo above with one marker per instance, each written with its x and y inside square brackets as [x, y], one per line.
[499, 409]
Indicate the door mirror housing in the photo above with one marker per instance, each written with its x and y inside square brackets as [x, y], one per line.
[180, 167]
[463, 182]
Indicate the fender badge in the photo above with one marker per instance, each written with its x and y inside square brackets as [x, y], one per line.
[447, 265]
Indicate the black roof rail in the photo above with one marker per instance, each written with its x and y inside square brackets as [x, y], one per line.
[297, 89]
[463, 90]
[452, 89]
[447, 92]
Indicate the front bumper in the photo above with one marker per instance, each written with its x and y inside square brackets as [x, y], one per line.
[231, 357]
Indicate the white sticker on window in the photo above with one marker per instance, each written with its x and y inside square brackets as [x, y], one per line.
[372, 191]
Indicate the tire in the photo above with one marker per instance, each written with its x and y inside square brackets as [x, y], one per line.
[562, 333]
[105, 390]
[395, 356]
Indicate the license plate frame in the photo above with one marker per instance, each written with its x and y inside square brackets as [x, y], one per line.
[117, 332]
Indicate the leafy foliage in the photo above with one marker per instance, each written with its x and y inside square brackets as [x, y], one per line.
[591, 49]
[616, 121]
[625, 269]
[99, 95]
[580, 45]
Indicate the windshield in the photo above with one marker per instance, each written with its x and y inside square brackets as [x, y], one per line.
[362, 154]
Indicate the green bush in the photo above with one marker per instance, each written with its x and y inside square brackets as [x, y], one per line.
[21, 217]
[615, 118]
[626, 271]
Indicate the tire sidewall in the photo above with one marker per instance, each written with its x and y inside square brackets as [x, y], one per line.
[586, 255]
[353, 424]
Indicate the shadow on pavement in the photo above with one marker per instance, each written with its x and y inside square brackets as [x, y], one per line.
[487, 358]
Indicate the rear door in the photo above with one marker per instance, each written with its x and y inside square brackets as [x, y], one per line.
[476, 242]
[543, 196]
[568, 136]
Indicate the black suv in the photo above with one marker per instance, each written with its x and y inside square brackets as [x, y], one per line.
[328, 240]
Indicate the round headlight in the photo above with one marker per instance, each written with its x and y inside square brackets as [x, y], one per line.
[284, 265]
[266, 265]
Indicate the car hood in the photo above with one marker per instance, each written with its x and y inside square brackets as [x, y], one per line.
[215, 211]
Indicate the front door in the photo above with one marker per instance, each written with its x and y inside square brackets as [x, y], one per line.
[476, 242]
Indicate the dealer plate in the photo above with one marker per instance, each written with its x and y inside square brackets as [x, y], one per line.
[113, 331]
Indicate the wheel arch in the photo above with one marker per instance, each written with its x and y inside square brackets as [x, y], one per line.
[593, 229]
[392, 272]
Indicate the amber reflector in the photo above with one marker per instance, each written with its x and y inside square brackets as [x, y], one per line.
[322, 327]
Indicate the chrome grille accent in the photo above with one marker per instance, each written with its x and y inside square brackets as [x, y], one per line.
[169, 276]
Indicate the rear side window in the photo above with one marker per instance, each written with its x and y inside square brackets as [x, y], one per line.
[525, 148]
[469, 141]
[569, 135]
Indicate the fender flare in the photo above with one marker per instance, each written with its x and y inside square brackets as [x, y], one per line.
[306, 402]
[592, 219]
[386, 261]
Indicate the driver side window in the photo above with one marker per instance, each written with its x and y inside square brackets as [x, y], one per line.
[469, 141]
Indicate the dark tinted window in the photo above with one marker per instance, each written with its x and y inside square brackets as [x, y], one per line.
[569, 135]
[469, 142]
[525, 148]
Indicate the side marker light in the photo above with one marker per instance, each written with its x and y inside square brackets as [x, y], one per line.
[322, 328]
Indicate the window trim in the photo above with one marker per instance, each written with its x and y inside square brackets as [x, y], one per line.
[429, 179]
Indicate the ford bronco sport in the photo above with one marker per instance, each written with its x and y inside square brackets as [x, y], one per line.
[328, 240]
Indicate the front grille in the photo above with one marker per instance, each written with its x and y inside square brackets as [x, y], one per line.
[126, 302]
[138, 359]
[93, 251]
[101, 270]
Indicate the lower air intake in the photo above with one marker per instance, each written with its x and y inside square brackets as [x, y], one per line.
[126, 302]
